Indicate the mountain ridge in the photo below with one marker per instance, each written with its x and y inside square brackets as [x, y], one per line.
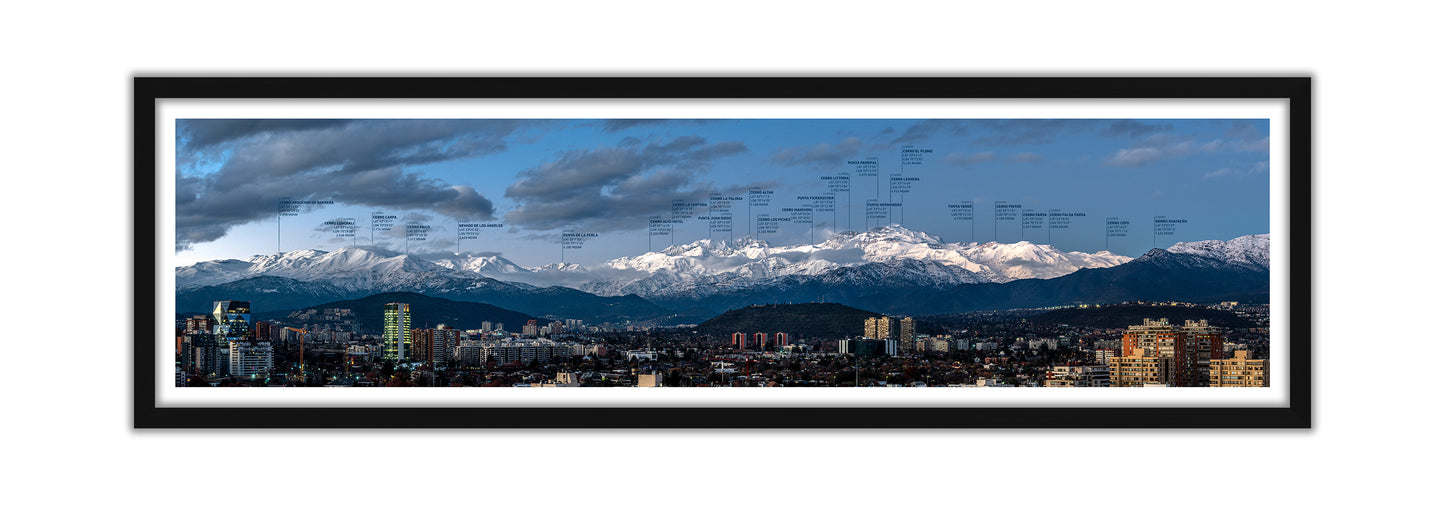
[699, 267]
[920, 279]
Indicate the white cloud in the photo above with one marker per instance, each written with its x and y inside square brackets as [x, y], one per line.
[1229, 171]
[1220, 173]
[1160, 147]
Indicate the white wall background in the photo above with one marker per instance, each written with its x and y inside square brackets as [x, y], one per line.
[67, 160]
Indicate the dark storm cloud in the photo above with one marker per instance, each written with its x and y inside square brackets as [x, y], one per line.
[581, 172]
[359, 162]
[467, 203]
[207, 215]
[198, 134]
[615, 188]
[362, 146]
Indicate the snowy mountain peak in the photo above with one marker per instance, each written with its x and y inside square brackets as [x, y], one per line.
[562, 267]
[710, 265]
[288, 258]
[486, 265]
[1249, 250]
[705, 247]
[358, 266]
[749, 242]
[889, 233]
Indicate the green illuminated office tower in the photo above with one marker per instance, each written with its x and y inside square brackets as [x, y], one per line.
[396, 333]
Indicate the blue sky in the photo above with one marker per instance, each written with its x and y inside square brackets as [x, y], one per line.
[535, 180]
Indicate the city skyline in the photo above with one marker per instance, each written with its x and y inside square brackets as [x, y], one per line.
[590, 189]
[1032, 348]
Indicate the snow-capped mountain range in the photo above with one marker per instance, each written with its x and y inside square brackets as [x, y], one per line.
[1250, 251]
[915, 258]
[885, 269]
[682, 268]
[357, 268]
[883, 256]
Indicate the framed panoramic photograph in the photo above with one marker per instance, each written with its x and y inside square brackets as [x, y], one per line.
[722, 252]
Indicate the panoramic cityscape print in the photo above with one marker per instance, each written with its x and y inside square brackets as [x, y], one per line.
[977, 253]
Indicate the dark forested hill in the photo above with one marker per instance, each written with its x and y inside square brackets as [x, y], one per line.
[816, 319]
[426, 312]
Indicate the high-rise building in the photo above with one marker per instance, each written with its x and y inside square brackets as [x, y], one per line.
[1189, 348]
[1239, 371]
[434, 346]
[1102, 355]
[231, 320]
[760, 340]
[197, 349]
[263, 331]
[1140, 368]
[905, 335]
[530, 329]
[740, 340]
[207, 355]
[780, 339]
[878, 328]
[396, 331]
[1206, 343]
[185, 353]
[250, 358]
[199, 324]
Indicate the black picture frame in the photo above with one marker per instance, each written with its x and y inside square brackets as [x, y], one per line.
[1295, 89]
